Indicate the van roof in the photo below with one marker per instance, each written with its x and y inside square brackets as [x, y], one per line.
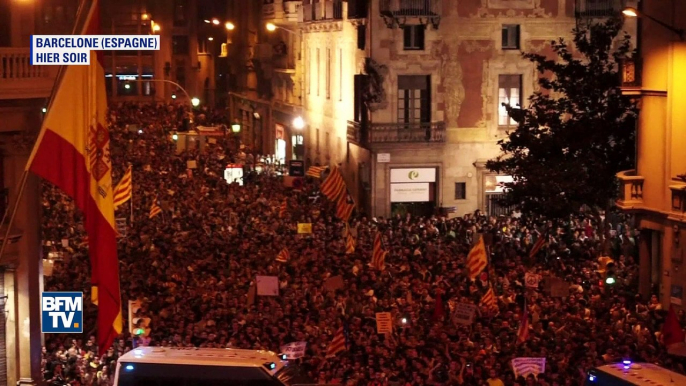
[203, 357]
[644, 374]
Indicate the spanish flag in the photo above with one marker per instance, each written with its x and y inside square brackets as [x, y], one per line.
[73, 152]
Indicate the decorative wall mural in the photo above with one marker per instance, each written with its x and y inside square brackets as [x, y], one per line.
[451, 73]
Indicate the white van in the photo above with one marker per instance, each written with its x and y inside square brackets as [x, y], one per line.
[631, 374]
[182, 366]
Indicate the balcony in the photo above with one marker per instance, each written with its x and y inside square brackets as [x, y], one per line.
[398, 12]
[432, 132]
[325, 10]
[598, 8]
[281, 11]
[19, 79]
[630, 189]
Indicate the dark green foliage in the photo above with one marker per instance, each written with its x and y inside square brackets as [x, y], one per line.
[575, 135]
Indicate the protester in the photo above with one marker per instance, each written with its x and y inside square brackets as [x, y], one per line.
[194, 264]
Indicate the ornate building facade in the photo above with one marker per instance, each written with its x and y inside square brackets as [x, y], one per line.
[407, 95]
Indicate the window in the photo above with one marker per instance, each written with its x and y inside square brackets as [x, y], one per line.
[414, 98]
[361, 36]
[460, 190]
[317, 140]
[413, 37]
[318, 73]
[180, 10]
[309, 73]
[181, 73]
[510, 37]
[509, 92]
[328, 73]
[340, 74]
[180, 45]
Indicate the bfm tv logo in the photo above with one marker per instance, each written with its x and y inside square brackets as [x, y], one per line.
[62, 312]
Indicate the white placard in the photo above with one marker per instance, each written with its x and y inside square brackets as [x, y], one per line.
[410, 192]
[383, 157]
[294, 350]
[464, 313]
[413, 175]
[267, 285]
[525, 366]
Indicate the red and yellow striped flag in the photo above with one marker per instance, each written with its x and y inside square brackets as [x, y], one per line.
[523, 331]
[489, 300]
[349, 241]
[124, 189]
[283, 256]
[378, 254]
[477, 259]
[283, 209]
[540, 242]
[315, 171]
[337, 344]
[334, 185]
[345, 207]
[73, 153]
[154, 208]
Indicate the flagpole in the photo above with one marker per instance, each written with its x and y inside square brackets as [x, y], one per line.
[25, 174]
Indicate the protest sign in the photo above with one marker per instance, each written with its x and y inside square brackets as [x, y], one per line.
[525, 366]
[304, 228]
[121, 226]
[384, 324]
[191, 164]
[267, 285]
[464, 313]
[334, 283]
[294, 350]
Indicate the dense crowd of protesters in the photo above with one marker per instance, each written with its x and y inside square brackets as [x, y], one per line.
[193, 266]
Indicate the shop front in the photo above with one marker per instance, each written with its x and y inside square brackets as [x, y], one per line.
[280, 143]
[413, 191]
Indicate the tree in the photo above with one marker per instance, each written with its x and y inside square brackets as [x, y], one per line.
[577, 132]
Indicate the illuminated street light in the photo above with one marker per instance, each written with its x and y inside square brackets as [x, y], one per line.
[298, 123]
[207, 21]
[127, 86]
[175, 137]
[173, 96]
[45, 110]
[215, 21]
[236, 127]
[271, 27]
[630, 12]
[155, 27]
[145, 16]
[195, 102]
[210, 38]
[229, 26]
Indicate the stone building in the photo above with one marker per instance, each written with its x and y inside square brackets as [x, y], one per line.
[656, 190]
[406, 94]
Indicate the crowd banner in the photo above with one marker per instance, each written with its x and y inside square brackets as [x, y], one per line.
[464, 313]
[531, 280]
[267, 285]
[558, 288]
[304, 228]
[524, 366]
[334, 283]
[294, 350]
[384, 323]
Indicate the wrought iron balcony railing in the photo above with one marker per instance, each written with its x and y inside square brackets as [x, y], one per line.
[324, 10]
[395, 132]
[598, 8]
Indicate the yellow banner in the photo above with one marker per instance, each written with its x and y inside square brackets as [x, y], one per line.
[304, 228]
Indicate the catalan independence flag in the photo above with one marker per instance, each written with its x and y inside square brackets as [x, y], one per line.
[124, 189]
[345, 206]
[477, 259]
[334, 185]
[349, 241]
[315, 171]
[73, 153]
[283, 256]
[378, 253]
[283, 209]
[154, 208]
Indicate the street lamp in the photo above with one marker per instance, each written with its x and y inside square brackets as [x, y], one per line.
[195, 102]
[633, 12]
[271, 27]
[236, 128]
[229, 26]
[155, 27]
[210, 38]
[298, 123]
[215, 21]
